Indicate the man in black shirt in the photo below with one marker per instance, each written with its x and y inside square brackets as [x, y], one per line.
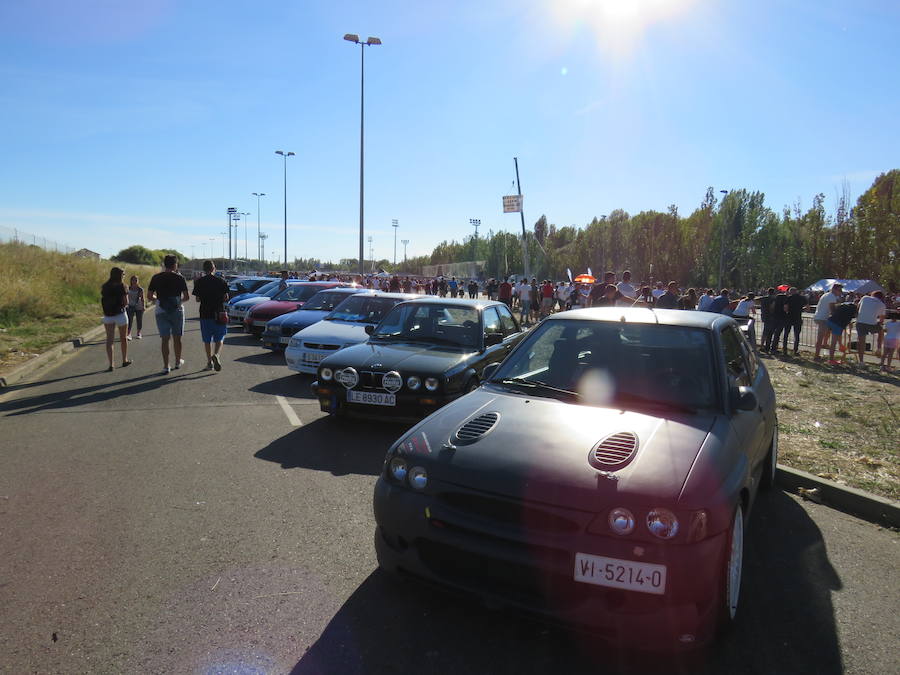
[169, 289]
[609, 297]
[669, 299]
[765, 315]
[211, 292]
[778, 319]
[793, 318]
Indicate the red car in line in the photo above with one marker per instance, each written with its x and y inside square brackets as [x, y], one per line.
[289, 300]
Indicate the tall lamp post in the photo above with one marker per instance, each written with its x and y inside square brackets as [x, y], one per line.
[245, 214]
[476, 223]
[395, 225]
[262, 245]
[404, 242]
[285, 155]
[258, 238]
[722, 248]
[223, 245]
[370, 42]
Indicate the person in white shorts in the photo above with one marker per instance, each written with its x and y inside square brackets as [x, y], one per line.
[891, 340]
[823, 311]
[113, 299]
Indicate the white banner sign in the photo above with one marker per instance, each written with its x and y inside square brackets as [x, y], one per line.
[512, 203]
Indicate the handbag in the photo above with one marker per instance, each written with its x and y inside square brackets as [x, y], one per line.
[222, 318]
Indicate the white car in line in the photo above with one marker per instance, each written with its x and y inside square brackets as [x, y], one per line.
[343, 327]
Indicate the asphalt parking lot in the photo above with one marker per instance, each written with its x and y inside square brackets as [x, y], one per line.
[218, 522]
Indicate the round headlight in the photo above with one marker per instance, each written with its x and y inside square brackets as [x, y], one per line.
[662, 523]
[431, 383]
[326, 374]
[413, 382]
[418, 478]
[347, 377]
[392, 381]
[621, 521]
[398, 468]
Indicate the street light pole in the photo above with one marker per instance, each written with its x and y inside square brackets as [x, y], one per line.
[258, 195]
[245, 214]
[722, 247]
[404, 242]
[285, 155]
[396, 225]
[475, 222]
[262, 243]
[371, 41]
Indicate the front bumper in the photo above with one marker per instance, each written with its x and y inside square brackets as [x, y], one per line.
[275, 340]
[532, 569]
[410, 407]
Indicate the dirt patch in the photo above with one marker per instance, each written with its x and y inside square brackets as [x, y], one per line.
[839, 423]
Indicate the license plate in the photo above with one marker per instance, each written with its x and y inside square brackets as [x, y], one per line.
[371, 397]
[312, 358]
[284, 340]
[615, 573]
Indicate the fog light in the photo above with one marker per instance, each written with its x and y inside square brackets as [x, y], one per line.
[326, 373]
[418, 478]
[398, 468]
[413, 382]
[662, 523]
[431, 384]
[348, 377]
[621, 521]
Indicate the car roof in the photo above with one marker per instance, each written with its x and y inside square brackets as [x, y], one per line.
[455, 302]
[387, 294]
[668, 317]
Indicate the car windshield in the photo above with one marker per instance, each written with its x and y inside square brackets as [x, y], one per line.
[325, 300]
[362, 309]
[431, 322]
[618, 364]
[297, 293]
[270, 290]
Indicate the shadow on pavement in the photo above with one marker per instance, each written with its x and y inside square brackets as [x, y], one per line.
[71, 398]
[294, 385]
[785, 625]
[327, 445]
[266, 357]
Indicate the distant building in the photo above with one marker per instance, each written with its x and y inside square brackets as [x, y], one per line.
[86, 253]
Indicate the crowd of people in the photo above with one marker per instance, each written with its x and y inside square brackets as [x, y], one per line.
[780, 311]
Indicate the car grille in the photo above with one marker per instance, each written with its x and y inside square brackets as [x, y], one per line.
[370, 380]
[477, 427]
[614, 451]
[508, 513]
[320, 347]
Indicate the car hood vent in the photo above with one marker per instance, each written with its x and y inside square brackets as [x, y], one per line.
[476, 427]
[614, 451]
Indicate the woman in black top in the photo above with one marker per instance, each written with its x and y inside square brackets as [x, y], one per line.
[113, 299]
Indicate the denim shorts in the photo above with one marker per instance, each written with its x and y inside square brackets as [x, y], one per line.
[170, 323]
[835, 329]
[212, 331]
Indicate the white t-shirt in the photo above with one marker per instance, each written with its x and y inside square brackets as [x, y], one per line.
[743, 309]
[658, 292]
[870, 308]
[525, 293]
[626, 289]
[823, 311]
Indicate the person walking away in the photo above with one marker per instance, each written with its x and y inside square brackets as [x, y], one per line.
[793, 318]
[135, 307]
[870, 316]
[778, 318]
[211, 292]
[824, 308]
[562, 296]
[669, 299]
[546, 298]
[625, 286]
[765, 315]
[169, 289]
[504, 292]
[891, 340]
[473, 290]
[720, 303]
[705, 300]
[840, 318]
[113, 300]
[525, 303]
[453, 286]
[535, 298]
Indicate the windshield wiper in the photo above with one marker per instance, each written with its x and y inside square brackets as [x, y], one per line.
[537, 384]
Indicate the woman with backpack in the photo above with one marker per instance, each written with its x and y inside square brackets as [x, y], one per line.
[114, 299]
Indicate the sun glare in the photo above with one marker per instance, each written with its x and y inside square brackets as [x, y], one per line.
[617, 25]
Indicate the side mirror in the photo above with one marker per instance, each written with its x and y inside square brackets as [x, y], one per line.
[369, 329]
[492, 339]
[489, 370]
[743, 398]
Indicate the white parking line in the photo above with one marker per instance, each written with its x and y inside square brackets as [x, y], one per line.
[291, 415]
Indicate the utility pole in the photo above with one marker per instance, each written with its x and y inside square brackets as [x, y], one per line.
[258, 250]
[371, 252]
[522, 214]
[395, 225]
[475, 222]
[404, 242]
[262, 246]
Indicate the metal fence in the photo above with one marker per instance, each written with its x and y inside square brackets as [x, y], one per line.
[20, 236]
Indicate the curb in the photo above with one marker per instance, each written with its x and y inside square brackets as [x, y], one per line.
[48, 357]
[865, 505]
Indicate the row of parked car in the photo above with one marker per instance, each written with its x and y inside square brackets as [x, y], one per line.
[597, 469]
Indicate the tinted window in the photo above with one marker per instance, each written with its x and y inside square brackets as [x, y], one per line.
[297, 293]
[609, 363]
[362, 308]
[443, 324]
[491, 321]
[325, 300]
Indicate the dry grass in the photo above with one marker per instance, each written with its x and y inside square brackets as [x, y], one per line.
[47, 298]
[839, 423]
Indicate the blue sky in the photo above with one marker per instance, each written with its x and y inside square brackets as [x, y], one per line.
[141, 122]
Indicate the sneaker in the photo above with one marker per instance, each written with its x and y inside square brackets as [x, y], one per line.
[209, 365]
[179, 363]
[166, 370]
[140, 337]
[128, 337]
[109, 370]
[125, 364]
[217, 364]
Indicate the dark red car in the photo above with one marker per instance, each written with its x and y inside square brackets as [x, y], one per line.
[289, 300]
